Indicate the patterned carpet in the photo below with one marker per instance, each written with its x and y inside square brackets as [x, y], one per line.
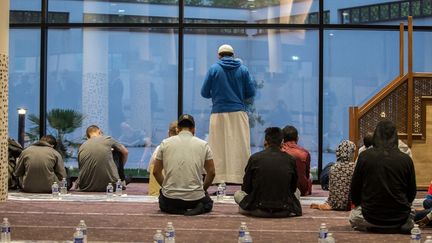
[135, 218]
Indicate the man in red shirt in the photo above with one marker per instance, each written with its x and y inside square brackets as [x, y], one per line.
[302, 157]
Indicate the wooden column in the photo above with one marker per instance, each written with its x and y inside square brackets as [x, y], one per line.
[410, 94]
[353, 124]
[401, 49]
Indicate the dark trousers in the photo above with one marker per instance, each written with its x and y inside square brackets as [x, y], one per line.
[119, 164]
[421, 214]
[427, 203]
[178, 206]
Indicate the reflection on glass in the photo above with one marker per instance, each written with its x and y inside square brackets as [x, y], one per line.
[124, 11]
[379, 12]
[24, 79]
[119, 82]
[347, 56]
[253, 11]
[284, 65]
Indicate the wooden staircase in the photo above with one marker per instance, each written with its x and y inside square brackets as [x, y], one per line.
[407, 102]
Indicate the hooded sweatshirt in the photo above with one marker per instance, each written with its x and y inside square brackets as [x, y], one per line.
[384, 183]
[340, 177]
[228, 83]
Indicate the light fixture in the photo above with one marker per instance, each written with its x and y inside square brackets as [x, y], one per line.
[294, 58]
[22, 111]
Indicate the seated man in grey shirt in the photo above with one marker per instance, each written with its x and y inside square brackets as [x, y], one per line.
[40, 165]
[95, 160]
[184, 158]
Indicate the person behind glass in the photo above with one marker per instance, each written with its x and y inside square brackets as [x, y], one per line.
[302, 158]
[383, 186]
[270, 181]
[40, 165]
[184, 158]
[153, 186]
[340, 179]
[229, 84]
[96, 163]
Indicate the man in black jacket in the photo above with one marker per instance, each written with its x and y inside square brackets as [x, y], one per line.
[270, 181]
[383, 185]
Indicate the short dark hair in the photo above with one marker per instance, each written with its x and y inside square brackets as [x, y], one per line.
[290, 133]
[273, 136]
[226, 54]
[91, 129]
[50, 139]
[186, 120]
[368, 140]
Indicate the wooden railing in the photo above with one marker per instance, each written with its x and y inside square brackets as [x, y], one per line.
[401, 101]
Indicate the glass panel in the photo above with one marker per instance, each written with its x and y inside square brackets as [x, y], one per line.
[416, 9]
[422, 51]
[357, 65]
[24, 76]
[394, 11]
[25, 11]
[284, 63]
[364, 14]
[374, 13]
[384, 12]
[405, 9]
[355, 15]
[379, 12]
[427, 7]
[118, 81]
[346, 16]
[124, 11]
[252, 11]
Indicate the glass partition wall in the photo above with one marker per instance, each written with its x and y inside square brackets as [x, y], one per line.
[132, 66]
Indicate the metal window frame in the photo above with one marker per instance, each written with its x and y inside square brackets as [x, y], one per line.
[44, 27]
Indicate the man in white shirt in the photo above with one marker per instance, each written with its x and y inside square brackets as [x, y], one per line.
[185, 159]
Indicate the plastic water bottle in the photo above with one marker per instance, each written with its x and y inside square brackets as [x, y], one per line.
[220, 192]
[224, 187]
[247, 238]
[243, 228]
[109, 191]
[158, 237]
[63, 187]
[415, 234]
[119, 188]
[169, 233]
[78, 236]
[428, 239]
[330, 238]
[55, 190]
[83, 227]
[322, 233]
[5, 231]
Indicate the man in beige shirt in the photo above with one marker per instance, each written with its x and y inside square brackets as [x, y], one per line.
[185, 159]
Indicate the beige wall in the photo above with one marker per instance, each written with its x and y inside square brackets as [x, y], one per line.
[422, 153]
[4, 50]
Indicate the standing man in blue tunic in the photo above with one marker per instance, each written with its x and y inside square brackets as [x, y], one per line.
[228, 83]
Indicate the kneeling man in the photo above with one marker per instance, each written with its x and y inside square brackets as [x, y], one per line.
[270, 181]
[185, 159]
